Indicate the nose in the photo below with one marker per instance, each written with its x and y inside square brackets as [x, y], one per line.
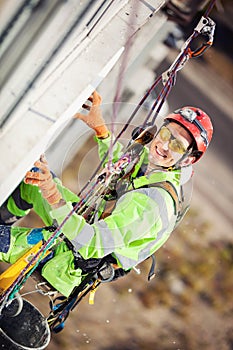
[165, 145]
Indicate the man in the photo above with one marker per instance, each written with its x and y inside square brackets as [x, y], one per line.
[144, 213]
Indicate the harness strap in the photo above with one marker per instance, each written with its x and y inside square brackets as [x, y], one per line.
[170, 188]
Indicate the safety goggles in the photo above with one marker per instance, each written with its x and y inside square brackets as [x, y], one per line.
[174, 145]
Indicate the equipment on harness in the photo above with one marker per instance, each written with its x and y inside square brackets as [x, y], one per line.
[144, 133]
[103, 271]
[109, 271]
[105, 185]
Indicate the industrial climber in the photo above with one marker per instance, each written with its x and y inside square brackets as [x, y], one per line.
[144, 212]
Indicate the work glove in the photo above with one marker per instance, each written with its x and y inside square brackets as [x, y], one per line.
[41, 176]
[94, 118]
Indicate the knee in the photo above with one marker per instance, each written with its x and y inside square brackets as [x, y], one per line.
[6, 217]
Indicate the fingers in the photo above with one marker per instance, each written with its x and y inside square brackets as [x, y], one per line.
[43, 167]
[37, 177]
[31, 175]
[43, 159]
[96, 99]
[84, 106]
[80, 116]
[31, 181]
[48, 188]
[54, 198]
[44, 180]
[90, 98]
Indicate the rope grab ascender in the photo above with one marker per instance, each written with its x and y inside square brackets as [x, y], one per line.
[99, 184]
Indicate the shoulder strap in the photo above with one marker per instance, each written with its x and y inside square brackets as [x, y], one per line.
[170, 188]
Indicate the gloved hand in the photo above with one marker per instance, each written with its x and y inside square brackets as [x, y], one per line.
[94, 118]
[44, 180]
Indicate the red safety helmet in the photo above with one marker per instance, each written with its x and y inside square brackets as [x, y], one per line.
[199, 125]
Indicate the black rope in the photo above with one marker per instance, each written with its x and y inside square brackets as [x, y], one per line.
[209, 8]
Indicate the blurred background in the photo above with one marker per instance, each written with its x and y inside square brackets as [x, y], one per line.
[189, 304]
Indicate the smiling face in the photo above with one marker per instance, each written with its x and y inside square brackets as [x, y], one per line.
[169, 145]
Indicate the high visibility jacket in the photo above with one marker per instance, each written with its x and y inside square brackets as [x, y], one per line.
[141, 222]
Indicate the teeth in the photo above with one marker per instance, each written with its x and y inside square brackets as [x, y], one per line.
[159, 153]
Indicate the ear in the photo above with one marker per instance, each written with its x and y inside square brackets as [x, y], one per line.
[188, 161]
